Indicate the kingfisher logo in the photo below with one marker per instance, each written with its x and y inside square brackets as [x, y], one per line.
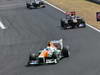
[98, 16]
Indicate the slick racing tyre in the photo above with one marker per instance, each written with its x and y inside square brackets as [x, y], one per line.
[55, 58]
[65, 52]
[32, 57]
[27, 5]
[55, 61]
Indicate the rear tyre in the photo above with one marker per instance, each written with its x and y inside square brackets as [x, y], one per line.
[65, 52]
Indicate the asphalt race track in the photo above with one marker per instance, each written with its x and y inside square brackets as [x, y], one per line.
[29, 30]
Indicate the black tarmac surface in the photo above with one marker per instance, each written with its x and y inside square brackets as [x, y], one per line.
[29, 30]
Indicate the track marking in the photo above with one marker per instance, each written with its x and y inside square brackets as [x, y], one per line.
[12, 5]
[2, 25]
[93, 28]
[65, 12]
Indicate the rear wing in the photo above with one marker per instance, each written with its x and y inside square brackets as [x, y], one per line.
[71, 13]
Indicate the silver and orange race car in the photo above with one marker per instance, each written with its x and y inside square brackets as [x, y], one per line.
[52, 54]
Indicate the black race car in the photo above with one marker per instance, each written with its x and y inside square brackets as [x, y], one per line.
[72, 21]
[31, 4]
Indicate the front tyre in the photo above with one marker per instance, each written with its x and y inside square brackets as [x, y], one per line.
[56, 59]
[32, 57]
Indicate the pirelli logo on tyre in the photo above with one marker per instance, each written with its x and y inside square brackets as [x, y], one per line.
[98, 16]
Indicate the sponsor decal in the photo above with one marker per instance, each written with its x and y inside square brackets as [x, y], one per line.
[98, 16]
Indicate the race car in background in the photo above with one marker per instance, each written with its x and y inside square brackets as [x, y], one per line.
[31, 4]
[72, 21]
[52, 54]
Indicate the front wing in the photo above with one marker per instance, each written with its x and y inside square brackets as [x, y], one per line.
[47, 61]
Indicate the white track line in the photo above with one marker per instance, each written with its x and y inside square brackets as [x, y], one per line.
[10, 5]
[93, 27]
[64, 12]
[2, 25]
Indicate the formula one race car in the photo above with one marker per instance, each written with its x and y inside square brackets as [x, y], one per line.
[72, 21]
[49, 55]
[31, 4]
